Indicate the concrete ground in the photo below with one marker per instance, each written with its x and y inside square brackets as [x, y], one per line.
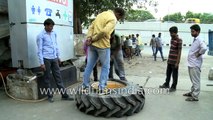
[160, 105]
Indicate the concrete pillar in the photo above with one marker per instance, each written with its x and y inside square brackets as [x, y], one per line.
[211, 74]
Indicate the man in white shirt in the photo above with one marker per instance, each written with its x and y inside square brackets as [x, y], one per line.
[195, 59]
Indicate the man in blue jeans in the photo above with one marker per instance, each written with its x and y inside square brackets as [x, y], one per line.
[48, 54]
[98, 38]
[159, 44]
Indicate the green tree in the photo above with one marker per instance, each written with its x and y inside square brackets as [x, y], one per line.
[176, 17]
[84, 9]
[138, 15]
[206, 18]
[197, 15]
[190, 14]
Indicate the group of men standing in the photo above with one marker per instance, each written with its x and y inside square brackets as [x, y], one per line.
[98, 40]
[156, 44]
[195, 59]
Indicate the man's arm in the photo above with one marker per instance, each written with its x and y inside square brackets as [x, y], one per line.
[57, 50]
[202, 50]
[179, 52]
[150, 42]
[110, 26]
[40, 53]
[40, 48]
[203, 47]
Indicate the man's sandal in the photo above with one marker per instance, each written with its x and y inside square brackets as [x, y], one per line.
[187, 94]
[191, 99]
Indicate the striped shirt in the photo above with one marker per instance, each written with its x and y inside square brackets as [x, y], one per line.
[176, 47]
[198, 46]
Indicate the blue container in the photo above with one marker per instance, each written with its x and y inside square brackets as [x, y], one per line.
[210, 43]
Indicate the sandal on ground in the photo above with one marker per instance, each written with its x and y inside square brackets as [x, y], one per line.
[191, 99]
[187, 94]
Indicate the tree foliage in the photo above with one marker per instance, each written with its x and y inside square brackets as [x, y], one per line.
[205, 18]
[138, 15]
[176, 17]
[190, 14]
[84, 9]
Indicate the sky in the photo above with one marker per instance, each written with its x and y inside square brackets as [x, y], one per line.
[172, 6]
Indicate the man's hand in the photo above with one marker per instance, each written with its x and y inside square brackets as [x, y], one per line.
[59, 61]
[89, 41]
[176, 65]
[197, 54]
[111, 57]
[43, 67]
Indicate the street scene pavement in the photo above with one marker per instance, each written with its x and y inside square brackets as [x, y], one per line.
[159, 104]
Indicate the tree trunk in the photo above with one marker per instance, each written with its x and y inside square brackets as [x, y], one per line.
[77, 21]
[3, 7]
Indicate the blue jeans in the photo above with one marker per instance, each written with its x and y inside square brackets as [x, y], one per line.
[95, 54]
[161, 53]
[153, 50]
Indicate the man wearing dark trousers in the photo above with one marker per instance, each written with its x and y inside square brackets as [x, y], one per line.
[48, 54]
[173, 59]
[116, 57]
[159, 47]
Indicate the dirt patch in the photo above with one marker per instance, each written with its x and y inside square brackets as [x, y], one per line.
[147, 66]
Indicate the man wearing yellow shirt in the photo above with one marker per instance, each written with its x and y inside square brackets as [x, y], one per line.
[98, 39]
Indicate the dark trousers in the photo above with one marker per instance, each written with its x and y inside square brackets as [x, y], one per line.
[171, 70]
[111, 70]
[161, 53]
[95, 71]
[52, 65]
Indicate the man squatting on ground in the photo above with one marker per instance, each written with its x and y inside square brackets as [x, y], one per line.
[195, 59]
[98, 38]
[173, 59]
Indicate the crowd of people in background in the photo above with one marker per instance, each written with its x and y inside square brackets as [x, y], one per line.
[132, 45]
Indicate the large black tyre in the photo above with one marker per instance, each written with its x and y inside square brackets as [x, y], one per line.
[123, 101]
